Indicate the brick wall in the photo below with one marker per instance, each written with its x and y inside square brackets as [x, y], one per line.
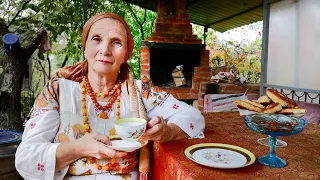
[172, 24]
[202, 73]
[200, 81]
[225, 88]
[145, 61]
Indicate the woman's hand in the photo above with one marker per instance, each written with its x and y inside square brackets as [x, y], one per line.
[94, 145]
[90, 145]
[158, 130]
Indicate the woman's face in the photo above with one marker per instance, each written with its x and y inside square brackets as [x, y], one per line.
[106, 46]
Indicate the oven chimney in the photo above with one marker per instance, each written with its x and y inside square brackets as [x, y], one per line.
[172, 24]
[171, 44]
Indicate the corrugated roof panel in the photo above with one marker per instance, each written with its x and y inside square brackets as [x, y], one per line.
[221, 15]
[240, 20]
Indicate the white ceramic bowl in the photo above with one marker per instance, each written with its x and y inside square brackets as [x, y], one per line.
[130, 129]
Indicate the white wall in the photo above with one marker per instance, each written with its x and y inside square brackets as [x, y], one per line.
[294, 44]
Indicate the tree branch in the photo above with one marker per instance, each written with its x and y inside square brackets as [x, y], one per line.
[26, 19]
[33, 46]
[24, 4]
[37, 67]
[145, 16]
[135, 17]
[141, 25]
[18, 28]
[43, 70]
[49, 64]
[64, 61]
[25, 39]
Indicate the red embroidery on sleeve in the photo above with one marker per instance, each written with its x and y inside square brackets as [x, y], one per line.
[175, 106]
[32, 125]
[40, 167]
[191, 126]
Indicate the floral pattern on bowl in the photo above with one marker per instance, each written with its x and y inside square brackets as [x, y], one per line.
[136, 134]
[130, 129]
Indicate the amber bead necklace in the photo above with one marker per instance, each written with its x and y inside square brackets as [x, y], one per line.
[87, 88]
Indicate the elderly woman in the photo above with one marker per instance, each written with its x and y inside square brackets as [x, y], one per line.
[74, 116]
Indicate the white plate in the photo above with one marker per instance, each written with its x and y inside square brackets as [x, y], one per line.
[127, 146]
[218, 155]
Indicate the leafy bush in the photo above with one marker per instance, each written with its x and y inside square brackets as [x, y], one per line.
[27, 101]
[246, 56]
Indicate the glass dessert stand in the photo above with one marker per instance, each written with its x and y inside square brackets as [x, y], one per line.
[274, 125]
[265, 142]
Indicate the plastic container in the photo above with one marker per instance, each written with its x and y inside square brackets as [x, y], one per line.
[11, 42]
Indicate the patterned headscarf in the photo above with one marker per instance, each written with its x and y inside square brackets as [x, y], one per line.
[79, 70]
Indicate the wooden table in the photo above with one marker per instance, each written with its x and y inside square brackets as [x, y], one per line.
[302, 153]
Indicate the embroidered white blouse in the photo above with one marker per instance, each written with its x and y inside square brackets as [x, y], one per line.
[57, 118]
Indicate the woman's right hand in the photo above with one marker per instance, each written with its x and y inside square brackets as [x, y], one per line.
[94, 145]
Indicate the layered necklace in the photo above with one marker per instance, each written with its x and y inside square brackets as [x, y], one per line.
[115, 93]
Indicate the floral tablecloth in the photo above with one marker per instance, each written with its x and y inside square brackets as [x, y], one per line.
[302, 153]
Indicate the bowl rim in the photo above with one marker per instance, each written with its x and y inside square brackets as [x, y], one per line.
[300, 125]
[120, 121]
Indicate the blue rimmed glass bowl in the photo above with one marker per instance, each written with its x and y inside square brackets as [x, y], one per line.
[274, 125]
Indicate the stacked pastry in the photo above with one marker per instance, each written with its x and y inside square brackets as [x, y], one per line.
[272, 102]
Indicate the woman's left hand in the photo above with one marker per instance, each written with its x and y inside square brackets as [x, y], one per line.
[158, 130]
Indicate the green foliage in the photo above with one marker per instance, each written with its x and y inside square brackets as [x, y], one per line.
[27, 101]
[41, 56]
[63, 21]
[246, 56]
[123, 9]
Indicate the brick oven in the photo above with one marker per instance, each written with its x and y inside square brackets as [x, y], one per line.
[172, 43]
